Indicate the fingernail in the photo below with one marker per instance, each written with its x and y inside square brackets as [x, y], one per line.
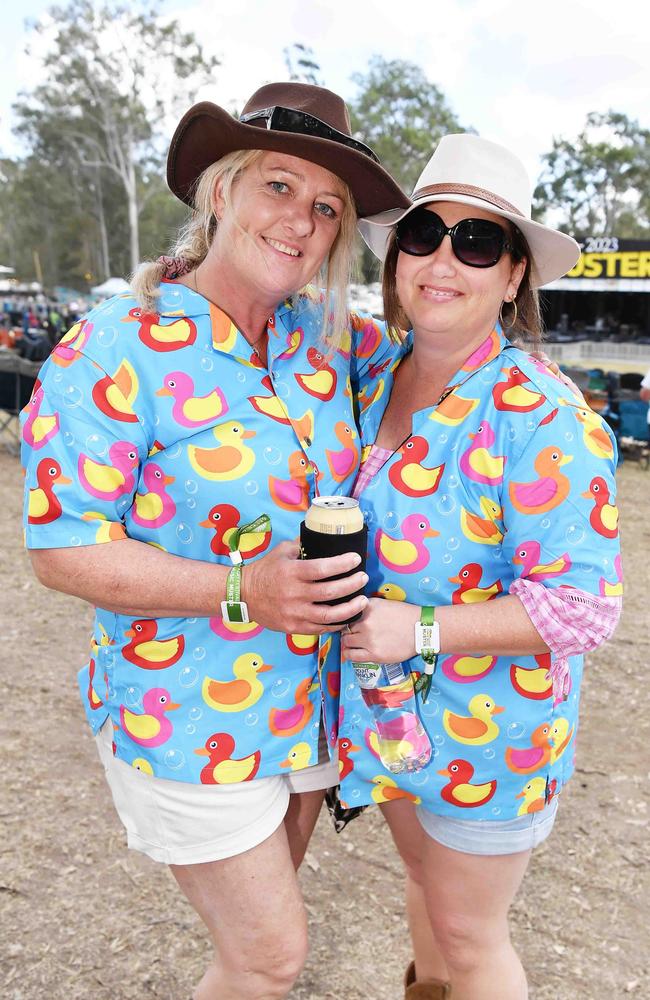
[365, 578]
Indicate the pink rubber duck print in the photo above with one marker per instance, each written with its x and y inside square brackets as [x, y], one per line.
[150, 728]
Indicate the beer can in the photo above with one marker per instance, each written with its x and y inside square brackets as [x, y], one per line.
[334, 515]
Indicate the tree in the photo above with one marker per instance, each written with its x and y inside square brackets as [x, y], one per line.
[599, 183]
[301, 64]
[401, 115]
[113, 73]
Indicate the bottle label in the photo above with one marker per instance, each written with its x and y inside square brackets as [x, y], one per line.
[374, 675]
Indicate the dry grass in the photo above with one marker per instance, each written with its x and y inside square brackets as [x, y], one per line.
[85, 920]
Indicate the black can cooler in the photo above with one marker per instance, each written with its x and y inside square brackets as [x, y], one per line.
[334, 525]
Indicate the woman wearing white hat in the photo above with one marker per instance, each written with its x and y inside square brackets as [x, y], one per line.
[485, 491]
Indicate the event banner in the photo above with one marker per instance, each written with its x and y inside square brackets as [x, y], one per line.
[609, 257]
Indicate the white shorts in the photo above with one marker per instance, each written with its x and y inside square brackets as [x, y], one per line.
[179, 823]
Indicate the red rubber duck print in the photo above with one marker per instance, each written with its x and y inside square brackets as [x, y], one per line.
[604, 515]
[43, 505]
[460, 791]
[409, 475]
[222, 768]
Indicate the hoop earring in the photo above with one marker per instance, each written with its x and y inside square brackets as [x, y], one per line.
[508, 326]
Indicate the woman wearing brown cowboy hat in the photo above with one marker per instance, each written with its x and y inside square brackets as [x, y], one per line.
[194, 420]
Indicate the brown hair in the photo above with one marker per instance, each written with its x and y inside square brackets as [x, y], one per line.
[527, 328]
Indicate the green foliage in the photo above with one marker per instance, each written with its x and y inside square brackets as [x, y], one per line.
[401, 115]
[599, 183]
[301, 64]
[94, 134]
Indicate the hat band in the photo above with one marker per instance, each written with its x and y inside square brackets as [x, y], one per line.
[471, 191]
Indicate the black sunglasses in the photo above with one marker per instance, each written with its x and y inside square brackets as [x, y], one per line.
[475, 242]
[290, 120]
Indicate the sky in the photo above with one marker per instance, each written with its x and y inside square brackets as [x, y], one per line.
[519, 73]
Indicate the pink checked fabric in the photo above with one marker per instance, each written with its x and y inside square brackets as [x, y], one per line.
[370, 466]
[570, 622]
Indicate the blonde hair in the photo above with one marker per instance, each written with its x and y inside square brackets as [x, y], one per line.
[527, 328]
[195, 238]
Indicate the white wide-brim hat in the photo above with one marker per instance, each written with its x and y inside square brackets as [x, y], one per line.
[473, 171]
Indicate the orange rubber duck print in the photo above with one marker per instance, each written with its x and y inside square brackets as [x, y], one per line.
[371, 335]
[223, 519]
[190, 410]
[43, 505]
[386, 790]
[530, 759]
[115, 394]
[460, 791]
[170, 336]
[239, 694]
[293, 493]
[476, 729]
[408, 553]
[604, 515]
[453, 410]
[594, 434]
[294, 343]
[322, 382]
[39, 428]
[150, 728]
[289, 721]
[346, 747]
[514, 395]
[272, 406]
[409, 475]
[533, 682]
[109, 481]
[370, 394]
[469, 590]
[224, 331]
[232, 459]
[561, 734]
[69, 348]
[534, 796]
[222, 768]
[153, 507]
[148, 652]
[550, 488]
[343, 463]
[527, 556]
[477, 463]
[484, 528]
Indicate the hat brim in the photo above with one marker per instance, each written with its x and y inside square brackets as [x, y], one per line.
[552, 253]
[207, 132]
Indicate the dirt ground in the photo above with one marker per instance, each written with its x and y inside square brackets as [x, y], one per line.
[84, 918]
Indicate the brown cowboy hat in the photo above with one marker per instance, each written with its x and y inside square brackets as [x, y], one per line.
[295, 118]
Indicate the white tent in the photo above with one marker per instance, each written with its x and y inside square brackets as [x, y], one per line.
[6, 270]
[113, 286]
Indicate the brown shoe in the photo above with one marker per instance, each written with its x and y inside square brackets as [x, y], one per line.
[427, 989]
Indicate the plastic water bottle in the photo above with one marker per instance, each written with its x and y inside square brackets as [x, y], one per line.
[402, 741]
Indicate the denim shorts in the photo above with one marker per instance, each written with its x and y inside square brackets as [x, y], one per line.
[486, 836]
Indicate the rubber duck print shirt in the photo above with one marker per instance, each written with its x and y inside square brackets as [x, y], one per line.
[509, 478]
[166, 429]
